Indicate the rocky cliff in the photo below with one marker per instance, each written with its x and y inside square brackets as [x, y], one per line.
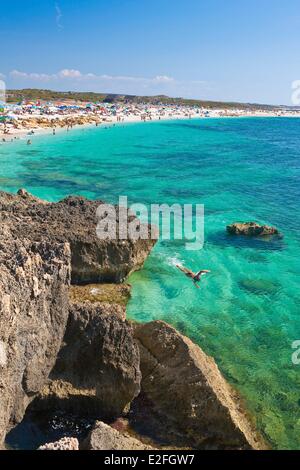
[34, 278]
[42, 247]
[74, 220]
[186, 386]
[72, 348]
[100, 354]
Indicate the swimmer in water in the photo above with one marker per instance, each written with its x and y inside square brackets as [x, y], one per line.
[196, 277]
[29, 142]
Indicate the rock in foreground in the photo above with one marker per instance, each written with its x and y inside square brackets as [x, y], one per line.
[74, 220]
[252, 229]
[104, 437]
[186, 386]
[41, 246]
[100, 354]
[34, 282]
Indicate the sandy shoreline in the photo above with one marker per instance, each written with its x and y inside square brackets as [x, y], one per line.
[27, 132]
[92, 121]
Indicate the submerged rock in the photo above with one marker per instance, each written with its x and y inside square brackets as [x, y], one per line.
[34, 282]
[252, 229]
[260, 286]
[74, 220]
[104, 437]
[66, 443]
[186, 386]
[100, 354]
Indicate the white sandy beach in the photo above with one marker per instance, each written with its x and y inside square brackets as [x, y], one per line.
[23, 124]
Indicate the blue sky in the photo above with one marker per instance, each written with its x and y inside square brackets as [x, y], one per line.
[241, 50]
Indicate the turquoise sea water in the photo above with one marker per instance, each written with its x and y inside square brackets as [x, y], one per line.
[246, 314]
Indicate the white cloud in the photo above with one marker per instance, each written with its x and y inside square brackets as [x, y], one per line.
[67, 73]
[58, 16]
[2, 76]
[63, 74]
[17, 74]
[90, 76]
[44, 77]
[76, 80]
[128, 78]
[163, 79]
[120, 78]
[77, 75]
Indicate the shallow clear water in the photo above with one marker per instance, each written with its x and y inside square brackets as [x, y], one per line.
[246, 313]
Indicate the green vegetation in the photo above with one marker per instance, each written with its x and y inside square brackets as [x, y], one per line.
[15, 96]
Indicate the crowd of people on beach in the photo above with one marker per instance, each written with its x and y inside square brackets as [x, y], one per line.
[26, 118]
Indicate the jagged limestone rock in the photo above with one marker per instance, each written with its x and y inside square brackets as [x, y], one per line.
[186, 386]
